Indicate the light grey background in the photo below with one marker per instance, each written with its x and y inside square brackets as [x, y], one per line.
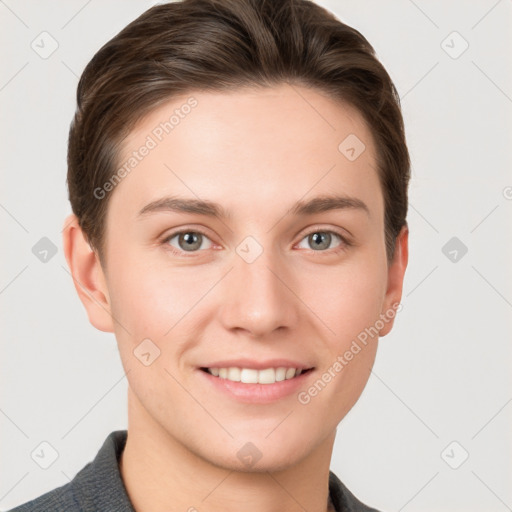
[442, 375]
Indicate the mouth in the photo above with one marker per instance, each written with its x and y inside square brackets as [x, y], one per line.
[265, 376]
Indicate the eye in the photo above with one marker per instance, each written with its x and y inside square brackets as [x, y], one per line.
[188, 241]
[192, 241]
[321, 240]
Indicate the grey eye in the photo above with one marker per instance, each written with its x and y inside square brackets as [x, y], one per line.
[188, 241]
[320, 240]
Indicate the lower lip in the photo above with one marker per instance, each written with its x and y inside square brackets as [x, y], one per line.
[257, 393]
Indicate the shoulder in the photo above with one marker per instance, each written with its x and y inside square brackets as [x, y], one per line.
[60, 499]
[343, 499]
[97, 486]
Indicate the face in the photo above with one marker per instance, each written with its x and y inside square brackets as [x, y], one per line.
[283, 266]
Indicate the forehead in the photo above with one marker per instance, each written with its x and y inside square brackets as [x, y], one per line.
[247, 148]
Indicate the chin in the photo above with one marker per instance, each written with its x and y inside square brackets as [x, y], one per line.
[259, 455]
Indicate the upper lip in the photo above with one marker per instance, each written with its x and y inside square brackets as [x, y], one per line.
[258, 365]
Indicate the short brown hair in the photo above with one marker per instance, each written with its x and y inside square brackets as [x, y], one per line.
[215, 45]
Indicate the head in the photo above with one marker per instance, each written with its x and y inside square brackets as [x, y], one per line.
[239, 124]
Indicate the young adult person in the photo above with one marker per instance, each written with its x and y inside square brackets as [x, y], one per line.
[238, 173]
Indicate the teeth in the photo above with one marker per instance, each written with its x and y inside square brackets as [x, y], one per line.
[252, 376]
[280, 374]
[234, 374]
[248, 376]
[290, 372]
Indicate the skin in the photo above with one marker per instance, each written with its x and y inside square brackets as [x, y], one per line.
[256, 152]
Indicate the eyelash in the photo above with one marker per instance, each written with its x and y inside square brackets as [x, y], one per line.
[345, 243]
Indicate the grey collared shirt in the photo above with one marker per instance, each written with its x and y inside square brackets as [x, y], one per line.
[98, 487]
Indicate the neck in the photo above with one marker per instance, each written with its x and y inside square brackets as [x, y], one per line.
[161, 473]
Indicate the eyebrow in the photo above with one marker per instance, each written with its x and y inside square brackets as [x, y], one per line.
[300, 208]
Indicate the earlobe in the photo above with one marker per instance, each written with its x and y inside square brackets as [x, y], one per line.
[87, 274]
[396, 273]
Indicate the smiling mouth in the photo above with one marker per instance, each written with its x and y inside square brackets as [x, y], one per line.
[253, 376]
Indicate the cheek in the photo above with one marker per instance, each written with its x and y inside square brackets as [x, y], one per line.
[151, 308]
[349, 302]
[152, 299]
[163, 304]
[347, 298]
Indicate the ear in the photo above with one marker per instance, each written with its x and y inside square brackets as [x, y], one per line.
[87, 274]
[396, 272]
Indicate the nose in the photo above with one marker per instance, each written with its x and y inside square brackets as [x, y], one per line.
[258, 297]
